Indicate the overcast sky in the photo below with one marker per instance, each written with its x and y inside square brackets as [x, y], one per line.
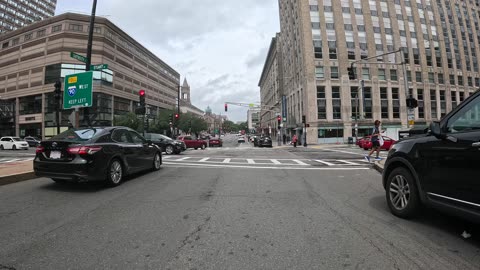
[220, 46]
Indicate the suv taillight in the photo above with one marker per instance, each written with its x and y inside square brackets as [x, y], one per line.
[83, 150]
[40, 149]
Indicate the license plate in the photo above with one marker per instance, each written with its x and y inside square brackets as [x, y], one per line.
[55, 154]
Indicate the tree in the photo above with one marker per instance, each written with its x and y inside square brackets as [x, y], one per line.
[130, 120]
[192, 123]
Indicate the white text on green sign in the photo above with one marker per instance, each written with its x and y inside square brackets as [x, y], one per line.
[78, 90]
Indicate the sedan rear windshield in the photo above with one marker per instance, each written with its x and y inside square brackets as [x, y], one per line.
[77, 135]
[17, 139]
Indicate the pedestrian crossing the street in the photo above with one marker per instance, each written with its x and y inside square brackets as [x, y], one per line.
[265, 161]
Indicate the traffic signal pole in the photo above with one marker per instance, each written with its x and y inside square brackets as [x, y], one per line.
[86, 110]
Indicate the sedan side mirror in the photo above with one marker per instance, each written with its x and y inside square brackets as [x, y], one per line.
[149, 142]
[436, 131]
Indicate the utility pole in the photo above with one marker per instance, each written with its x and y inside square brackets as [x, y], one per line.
[86, 110]
[410, 111]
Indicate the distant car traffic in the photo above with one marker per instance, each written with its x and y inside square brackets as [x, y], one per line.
[13, 143]
[95, 154]
[215, 142]
[167, 144]
[241, 139]
[191, 142]
[439, 169]
[264, 141]
[32, 141]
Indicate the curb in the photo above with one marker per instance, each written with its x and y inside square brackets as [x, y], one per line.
[17, 177]
[378, 166]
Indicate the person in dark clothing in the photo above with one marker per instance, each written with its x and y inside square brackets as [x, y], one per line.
[284, 139]
[375, 141]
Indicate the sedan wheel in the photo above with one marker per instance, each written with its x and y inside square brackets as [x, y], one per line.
[402, 195]
[169, 150]
[203, 146]
[14, 147]
[1, 147]
[157, 162]
[115, 173]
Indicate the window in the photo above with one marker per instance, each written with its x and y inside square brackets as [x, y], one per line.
[5, 45]
[384, 102]
[453, 96]
[443, 103]
[317, 49]
[393, 75]
[319, 72]
[452, 79]
[470, 82]
[467, 119]
[440, 78]
[321, 103]
[351, 55]
[431, 78]
[136, 138]
[332, 53]
[336, 103]
[367, 105]
[366, 73]
[313, 7]
[76, 27]
[418, 76]
[315, 25]
[28, 36]
[348, 27]
[381, 74]
[354, 102]
[460, 80]
[421, 108]
[121, 136]
[41, 33]
[433, 104]
[57, 28]
[409, 75]
[395, 103]
[334, 72]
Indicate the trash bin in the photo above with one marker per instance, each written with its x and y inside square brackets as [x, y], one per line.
[350, 140]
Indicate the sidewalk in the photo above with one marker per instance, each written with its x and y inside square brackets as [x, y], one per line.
[378, 165]
[16, 172]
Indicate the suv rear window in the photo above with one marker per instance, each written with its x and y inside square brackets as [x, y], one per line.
[77, 135]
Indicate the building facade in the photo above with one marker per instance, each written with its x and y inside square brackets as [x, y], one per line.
[271, 91]
[253, 120]
[15, 14]
[437, 39]
[39, 54]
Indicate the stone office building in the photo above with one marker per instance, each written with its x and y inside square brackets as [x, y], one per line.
[37, 55]
[439, 39]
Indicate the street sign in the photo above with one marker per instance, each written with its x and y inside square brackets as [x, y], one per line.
[411, 122]
[98, 67]
[79, 57]
[78, 90]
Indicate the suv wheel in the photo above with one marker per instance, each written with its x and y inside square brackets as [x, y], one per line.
[402, 194]
[157, 162]
[169, 150]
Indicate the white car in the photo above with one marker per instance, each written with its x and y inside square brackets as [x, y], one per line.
[13, 143]
[241, 139]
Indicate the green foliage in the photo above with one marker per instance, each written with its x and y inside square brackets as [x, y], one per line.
[192, 123]
[130, 120]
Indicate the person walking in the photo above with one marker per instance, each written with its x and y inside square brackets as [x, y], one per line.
[284, 138]
[375, 141]
[294, 140]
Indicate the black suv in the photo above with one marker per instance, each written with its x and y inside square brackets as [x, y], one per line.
[440, 169]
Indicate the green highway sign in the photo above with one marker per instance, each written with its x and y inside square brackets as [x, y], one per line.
[78, 90]
[99, 67]
[79, 57]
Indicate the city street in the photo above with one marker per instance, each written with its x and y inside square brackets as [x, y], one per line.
[11, 156]
[234, 207]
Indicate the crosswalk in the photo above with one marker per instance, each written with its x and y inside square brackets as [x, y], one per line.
[7, 160]
[265, 161]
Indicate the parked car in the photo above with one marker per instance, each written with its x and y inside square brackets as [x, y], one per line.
[387, 143]
[167, 144]
[360, 141]
[95, 154]
[264, 141]
[215, 142]
[32, 141]
[191, 142]
[439, 169]
[13, 143]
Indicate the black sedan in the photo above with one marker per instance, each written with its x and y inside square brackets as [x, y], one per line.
[95, 154]
[264, 141]
[167, 144]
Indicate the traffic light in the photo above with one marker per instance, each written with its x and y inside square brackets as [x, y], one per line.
[226, 107]
[170, 116]
[303, 119]
[141, 109]
[57, 93]
[177, 116]
[279, 121]
[412, 103]
[351, 73]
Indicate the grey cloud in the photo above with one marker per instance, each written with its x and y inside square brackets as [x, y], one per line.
[257, 59]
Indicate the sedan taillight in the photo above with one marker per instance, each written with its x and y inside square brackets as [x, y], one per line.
[83, 150]
[40, 149]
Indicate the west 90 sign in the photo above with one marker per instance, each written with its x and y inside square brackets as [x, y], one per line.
[78, 90]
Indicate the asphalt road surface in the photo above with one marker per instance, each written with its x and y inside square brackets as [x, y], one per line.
[8, 156]
[235, 207]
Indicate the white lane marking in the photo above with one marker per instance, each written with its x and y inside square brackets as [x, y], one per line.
[250, 161]
[261, 167]
[325, 162]
[227, 160]
[274, 161]
[13, 160]
[348, 162]
[345, 152]
[299, 162]
[180, 159]
[204, 159]
[166, 157]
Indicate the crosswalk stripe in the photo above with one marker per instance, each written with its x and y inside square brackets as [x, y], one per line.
[13, 160]
[299, 162]
[348, 162]
[184, 158]
[250, 161]
[274, 161]
[204, 159]
[325, 162]
[227, 160]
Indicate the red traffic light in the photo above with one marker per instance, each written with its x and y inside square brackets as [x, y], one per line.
[141, 93]
[279, 118]
[176, 116]
[226, 107]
